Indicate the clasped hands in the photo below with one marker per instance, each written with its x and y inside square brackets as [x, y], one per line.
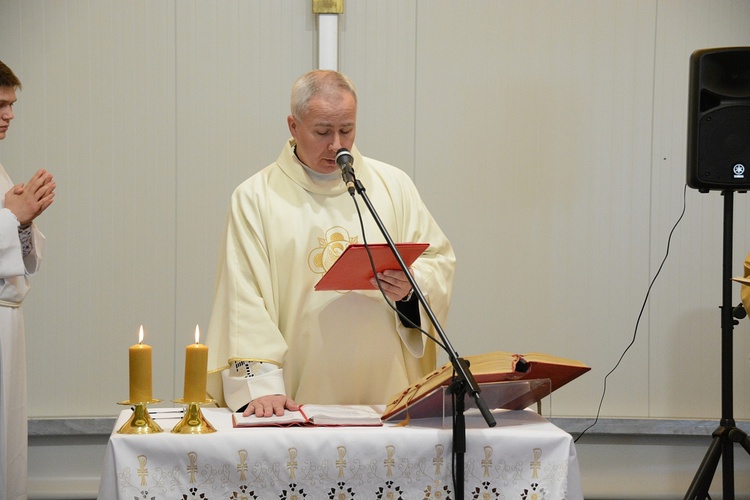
[28, 201]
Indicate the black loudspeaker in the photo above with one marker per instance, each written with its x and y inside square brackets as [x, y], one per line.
[718, 155]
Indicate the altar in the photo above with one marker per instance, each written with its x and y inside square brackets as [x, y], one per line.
[523, 457]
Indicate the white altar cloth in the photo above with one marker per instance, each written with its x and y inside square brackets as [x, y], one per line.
[523, 457]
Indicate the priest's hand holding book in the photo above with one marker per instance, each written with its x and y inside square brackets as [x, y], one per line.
[394, 283]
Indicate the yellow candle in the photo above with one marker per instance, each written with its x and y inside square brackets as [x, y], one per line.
[196, 364]
[140, 371]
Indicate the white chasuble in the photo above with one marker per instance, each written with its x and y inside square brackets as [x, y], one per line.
[284, 230]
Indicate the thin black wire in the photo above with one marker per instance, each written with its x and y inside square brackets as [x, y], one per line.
[403, 318]
[640, 314]
[375, 272]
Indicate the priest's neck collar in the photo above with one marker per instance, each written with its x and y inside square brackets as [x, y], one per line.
[312, 174]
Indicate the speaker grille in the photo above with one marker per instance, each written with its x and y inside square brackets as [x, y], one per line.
[724, 145]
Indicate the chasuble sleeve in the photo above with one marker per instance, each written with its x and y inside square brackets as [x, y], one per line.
[433, 270]
[244, 323]
[244, 318]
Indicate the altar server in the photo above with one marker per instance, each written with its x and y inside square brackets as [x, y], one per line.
[20, 255]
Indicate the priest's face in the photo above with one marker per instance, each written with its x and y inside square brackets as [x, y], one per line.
[328, 125]
[7, 98]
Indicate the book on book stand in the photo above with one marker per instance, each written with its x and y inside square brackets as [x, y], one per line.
[507, 381]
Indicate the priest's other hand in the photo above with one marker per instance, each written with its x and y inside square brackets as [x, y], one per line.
[265, 406]
[394, 282]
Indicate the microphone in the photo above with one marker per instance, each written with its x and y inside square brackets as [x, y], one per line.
[345, 160]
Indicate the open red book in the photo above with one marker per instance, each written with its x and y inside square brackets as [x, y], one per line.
[424, 397]
[353, 270]
[318, 415]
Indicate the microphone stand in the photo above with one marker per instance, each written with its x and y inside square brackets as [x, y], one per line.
[463, 380]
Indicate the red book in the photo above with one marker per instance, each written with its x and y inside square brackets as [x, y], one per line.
[311, 414]
[424, 398]
[353, 270]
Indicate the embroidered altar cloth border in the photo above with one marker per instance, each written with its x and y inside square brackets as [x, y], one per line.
[523, 457]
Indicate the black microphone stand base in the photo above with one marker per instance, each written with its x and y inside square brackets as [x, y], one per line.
[723, 440]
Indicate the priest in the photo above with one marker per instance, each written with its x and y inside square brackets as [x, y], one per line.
[273, 340]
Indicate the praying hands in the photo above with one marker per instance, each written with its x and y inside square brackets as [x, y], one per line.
[28, 201]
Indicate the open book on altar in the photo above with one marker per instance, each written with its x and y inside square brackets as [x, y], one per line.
[516, 381]
[353, 269]
[316, 415]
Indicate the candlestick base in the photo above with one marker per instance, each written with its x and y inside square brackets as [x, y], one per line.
[140, 421]
[193, 422]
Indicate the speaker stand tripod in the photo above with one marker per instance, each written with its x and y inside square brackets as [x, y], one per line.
[727, 434]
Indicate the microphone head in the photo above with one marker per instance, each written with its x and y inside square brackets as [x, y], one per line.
[344, 157]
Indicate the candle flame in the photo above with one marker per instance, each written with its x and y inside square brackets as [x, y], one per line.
[197, 334]
[140, 335]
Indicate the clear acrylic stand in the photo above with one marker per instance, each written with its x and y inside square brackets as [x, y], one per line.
[508, 395]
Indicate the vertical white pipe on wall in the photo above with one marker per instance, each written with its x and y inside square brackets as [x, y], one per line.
[328, 41]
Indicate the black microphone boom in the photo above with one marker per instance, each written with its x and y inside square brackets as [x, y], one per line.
[345, 160]
[463, 381]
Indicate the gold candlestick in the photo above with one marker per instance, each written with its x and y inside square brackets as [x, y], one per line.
[140, 421]
[193, 422]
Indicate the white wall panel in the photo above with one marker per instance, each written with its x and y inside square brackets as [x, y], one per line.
[378, 52]
[685, 351]
[535, 119]
[235, 64]
[98, 107]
